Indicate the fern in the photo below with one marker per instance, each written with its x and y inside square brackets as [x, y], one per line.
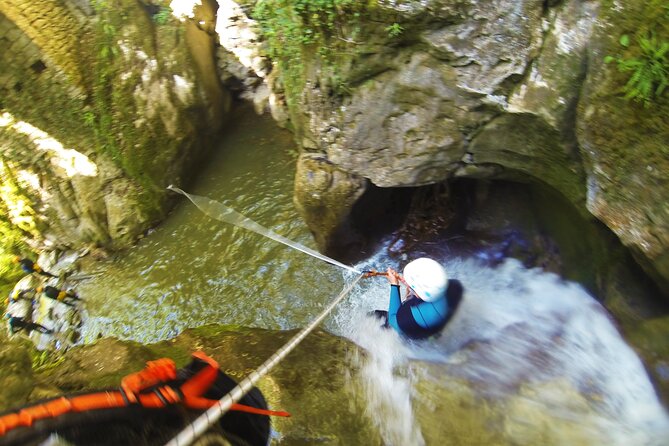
[650, 70]
[394, 30]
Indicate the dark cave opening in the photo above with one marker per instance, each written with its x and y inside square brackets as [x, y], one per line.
[496, 219]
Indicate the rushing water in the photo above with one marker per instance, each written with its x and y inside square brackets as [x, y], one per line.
[539, 350]
[526, 340]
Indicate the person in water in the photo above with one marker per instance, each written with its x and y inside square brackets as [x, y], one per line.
[30, 267]
[431, 299]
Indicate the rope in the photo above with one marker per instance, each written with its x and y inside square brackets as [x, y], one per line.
[221, 212]
[212, 415]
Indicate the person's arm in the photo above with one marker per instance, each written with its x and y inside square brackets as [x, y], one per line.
[395, 300]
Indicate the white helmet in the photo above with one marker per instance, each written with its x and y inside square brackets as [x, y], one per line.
[427, 278]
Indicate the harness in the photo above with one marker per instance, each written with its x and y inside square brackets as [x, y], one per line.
[155, 387]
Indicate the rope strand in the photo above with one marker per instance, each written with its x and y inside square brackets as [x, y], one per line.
[223, 213]
[213, 414]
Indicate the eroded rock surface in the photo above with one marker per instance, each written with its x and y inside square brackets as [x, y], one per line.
[514, 90]
[101, 109]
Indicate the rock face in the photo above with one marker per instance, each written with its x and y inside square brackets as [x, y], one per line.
[510, 90]
[625, 149]
[325, 194]
[466, 94]
[318, 397]
[101, 110]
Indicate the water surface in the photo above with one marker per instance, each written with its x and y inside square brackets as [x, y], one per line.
[537, 352]
[193, 270]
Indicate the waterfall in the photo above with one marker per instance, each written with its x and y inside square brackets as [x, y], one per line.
[528, 342]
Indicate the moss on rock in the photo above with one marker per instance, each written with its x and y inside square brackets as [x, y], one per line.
[624, 144]
[310, 384]
[144, 108]
[16, 377]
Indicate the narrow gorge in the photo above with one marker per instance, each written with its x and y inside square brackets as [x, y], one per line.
[504, 138]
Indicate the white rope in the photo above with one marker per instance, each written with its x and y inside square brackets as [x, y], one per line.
[212, 415]
[226, 214]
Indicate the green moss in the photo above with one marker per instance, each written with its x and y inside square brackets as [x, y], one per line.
[142, 154]
[306, 35]
[651, 340]
[631, 138]
[652, 336]
[643, 61]
[15, 374]
[588, 251]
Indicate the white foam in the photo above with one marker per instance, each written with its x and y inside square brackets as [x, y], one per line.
[515, 329]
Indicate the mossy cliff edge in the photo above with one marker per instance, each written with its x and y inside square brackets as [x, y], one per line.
[102, 106]
[399, 94]
[311, 384]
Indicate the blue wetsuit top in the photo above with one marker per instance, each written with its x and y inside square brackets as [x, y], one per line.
[418, 319]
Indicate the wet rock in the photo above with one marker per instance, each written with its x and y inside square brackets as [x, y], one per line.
[16, 376]
[139, 104]
[530, 417]
[324, 195]
[423, 113]
[651, 340]
[624, 146]
[318, 397]
[466, 419]
[516, 91]
[526, 147]
[387, 132]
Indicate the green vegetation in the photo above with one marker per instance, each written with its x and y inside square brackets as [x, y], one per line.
[295, 28]
[109, 115]
[643, 55]
[17, 223]
[100, 118]
[394, 30]
[163, 15]
[45, 360]
[650, 70]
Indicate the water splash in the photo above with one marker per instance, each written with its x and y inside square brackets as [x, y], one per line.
[387, 387]
[223, 213]
[541, 349]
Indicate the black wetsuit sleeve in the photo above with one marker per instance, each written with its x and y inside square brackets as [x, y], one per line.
[454, 294]
[409, 326]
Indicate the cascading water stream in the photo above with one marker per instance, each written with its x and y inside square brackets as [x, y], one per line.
[538, 352]
[540, 348]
